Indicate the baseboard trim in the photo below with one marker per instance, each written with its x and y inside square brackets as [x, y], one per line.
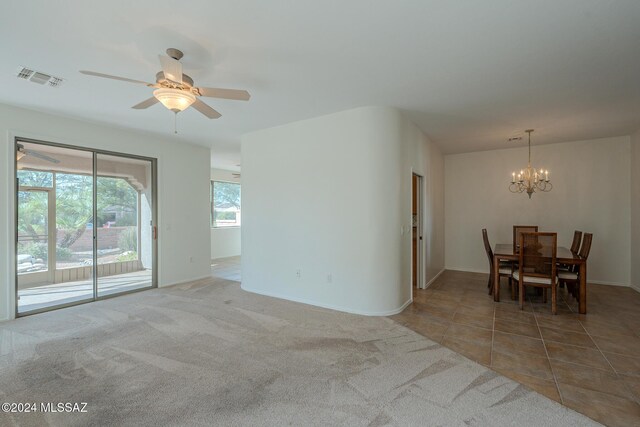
[328, 306]
[182, 282]
[603, 282]
[433, 279]
[401, 309]
[595, 282]
[635, 287]
[468, 270]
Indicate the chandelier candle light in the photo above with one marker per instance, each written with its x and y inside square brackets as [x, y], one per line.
[530, 179]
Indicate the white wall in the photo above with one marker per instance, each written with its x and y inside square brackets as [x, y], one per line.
[635, 210]
[329, 197]
[225, 241]
[183, 189]
[591, 193]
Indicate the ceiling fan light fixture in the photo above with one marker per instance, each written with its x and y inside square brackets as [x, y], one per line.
[175, 100]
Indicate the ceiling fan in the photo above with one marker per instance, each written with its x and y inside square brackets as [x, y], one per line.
[176, 90]
[22, 152]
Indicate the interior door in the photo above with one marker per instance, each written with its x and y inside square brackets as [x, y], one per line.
[414, 230]
[417, 255]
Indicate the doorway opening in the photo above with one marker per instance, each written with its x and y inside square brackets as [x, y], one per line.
[417, 249]
[85, 225]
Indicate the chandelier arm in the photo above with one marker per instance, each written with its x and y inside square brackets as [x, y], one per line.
[530, 180]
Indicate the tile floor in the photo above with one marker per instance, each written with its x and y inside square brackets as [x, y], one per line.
[227, 268]
[590, 363]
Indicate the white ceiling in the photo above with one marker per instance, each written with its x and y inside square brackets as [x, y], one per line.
[469, 73]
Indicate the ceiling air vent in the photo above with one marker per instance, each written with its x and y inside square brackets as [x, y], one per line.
[38, 77]
[24, 73]
[55, 81]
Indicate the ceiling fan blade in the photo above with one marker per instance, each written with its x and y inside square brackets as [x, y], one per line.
[205, 109]
[146, 103]
[212, 92]
[108, 76]
[172, 68]
[41, 156]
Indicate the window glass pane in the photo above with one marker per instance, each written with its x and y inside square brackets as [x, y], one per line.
[35, 178]
[225, 204]
[33, 231]
[52, 225]
[74, 217]
[124, 230]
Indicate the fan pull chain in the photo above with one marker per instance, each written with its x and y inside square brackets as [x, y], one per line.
[175, 122]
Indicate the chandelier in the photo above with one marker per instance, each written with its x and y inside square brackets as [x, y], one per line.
[530, 179]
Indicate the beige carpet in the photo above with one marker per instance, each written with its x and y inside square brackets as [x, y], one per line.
[208, 353]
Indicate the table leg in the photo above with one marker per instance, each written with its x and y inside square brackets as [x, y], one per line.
[496, 279]
[583, 288]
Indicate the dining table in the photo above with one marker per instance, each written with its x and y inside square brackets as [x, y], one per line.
[507, 252]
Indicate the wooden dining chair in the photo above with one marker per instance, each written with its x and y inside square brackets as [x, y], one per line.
[517, 230]
[571, 277]
[505, 270]
[575, 245]
[537, 265]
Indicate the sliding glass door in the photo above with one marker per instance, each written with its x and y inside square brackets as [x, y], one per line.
[84, 225]
[124, 224]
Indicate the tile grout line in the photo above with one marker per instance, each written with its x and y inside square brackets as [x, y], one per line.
[519, 335]
[594, 343]
[567, 319]
[598, 347]
[555, 380]
[444, 334]
[615, 371]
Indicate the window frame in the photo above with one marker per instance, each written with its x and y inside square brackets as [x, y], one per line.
[212, 208]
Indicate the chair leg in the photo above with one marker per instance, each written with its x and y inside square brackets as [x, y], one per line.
[521, 294]
[554, 299]
[576, 291]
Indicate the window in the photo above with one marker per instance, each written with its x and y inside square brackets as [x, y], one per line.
[35, 178]
[225, 204]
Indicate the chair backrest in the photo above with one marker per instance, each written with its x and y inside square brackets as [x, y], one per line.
[519, 229]
[586, 245]
[538, 254]
[575, 245]
[487, 247]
